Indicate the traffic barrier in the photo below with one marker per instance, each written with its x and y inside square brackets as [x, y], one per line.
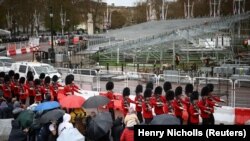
[242, 115]
[25, 50]
[224, 115]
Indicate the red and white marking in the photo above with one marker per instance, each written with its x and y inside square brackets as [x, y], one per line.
[11, 51]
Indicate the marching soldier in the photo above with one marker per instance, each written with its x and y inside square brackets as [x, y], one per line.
[147, 106]
[159, 101]
[126, 101]
[138, 102]
[194, 110]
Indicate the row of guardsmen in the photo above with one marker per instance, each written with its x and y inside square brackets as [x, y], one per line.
[186, 107]
[38, 90]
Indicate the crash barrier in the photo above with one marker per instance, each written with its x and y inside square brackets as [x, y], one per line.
[24, 50]
[242, 115]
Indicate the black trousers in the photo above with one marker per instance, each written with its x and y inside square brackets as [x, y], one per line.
[112, 112]
[32, 99]
[205, 121]
[211, 119]
[181, 120]
[139, 115]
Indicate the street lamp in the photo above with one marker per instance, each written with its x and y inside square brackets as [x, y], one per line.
[52, 53]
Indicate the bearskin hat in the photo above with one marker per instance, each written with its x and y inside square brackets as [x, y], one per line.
[158, 90]
[72, 77]
[68, 80]
[138, 89]
[6, 78]
[126, 92]
[150, 85]
[194, 96]
[178, 91]
[204, 91]
[189, 88]
[30, 78]
[29, 73]
[47, 80]
[147, 93]
[2, 74]
[210, 87]
[167, 86]
[22, 80]
[37, 82]
[11, 73]
[16, 76]
[170, 95]
[55, 78]
[42, 76]
[109, 86]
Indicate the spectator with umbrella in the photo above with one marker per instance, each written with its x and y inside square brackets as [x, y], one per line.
[65, 124]
[49, 129]
[130, 120]
[47, 106]
[99, 127]
[165, 119]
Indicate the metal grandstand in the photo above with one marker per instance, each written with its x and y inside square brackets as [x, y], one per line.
[157, 40]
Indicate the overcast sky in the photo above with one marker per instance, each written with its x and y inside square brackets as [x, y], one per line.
[125, 2]
[122, 2]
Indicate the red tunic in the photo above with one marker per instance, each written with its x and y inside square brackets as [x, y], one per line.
[38, 93]
[194, 117]
[6, 90]
[15, 88]
[202, 104]
[68, 90]
[158, 103]
[54, 89]
[169, 107]
[178, 107]
[111, 97]
[138, 103]
[127, 135]
[125, 105]
[147, 108]
[30, 87]
[23, 93]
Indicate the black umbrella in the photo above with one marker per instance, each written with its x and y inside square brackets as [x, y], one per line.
[95, 101]
[52, 115]
[165, 119]
[99, 125]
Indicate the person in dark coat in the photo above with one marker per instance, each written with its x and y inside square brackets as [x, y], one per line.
[117, 129]
[17, 134]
